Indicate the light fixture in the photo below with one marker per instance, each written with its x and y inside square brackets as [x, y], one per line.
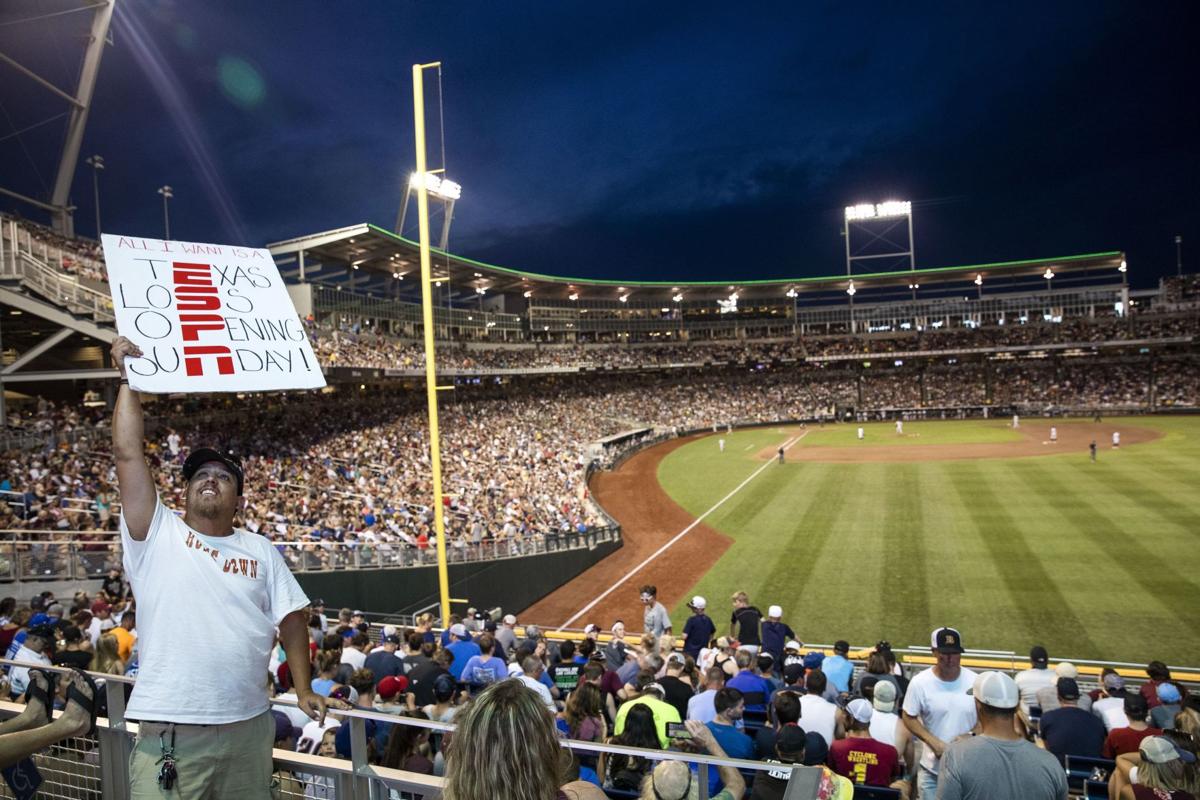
[446, 189]
[529, 293]
[572, 297]
[1124, 267]
[851, 290]
[891, 208]
[792, 293]
[678, 298]
[480, 290]
[624, 298]
[979, 280]
[1048, 274]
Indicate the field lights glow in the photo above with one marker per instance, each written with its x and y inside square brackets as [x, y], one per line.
[1048, 274]
[851, 291]
[678, 298]
[792, 293]
[439, 187]
[890, 208]
[1124, 267]
[572, 297]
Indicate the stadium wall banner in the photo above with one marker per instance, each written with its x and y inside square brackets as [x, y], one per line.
[208, 318]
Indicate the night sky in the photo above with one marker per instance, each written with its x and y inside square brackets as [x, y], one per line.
[636, 140]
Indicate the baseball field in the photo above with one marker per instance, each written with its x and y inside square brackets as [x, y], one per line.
[1010, 537]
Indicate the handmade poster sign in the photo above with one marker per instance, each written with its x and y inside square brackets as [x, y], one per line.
[208, 318]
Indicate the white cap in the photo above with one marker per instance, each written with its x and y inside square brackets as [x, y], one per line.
[792, 645]
[699, 602]
[775, 611]
[389, 630]
[509, 619]
[459, 630]
[860, 709]
[1065, 669]
[885, 696]
[997, 690]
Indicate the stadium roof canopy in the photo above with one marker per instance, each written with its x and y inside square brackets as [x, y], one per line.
[368, 258]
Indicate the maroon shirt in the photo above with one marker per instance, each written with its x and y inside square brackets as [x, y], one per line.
[1126, 740]
[864, 761]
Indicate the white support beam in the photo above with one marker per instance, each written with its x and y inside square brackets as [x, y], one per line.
[61, 375]
[35, 351]
[101, 20]
[57, 315]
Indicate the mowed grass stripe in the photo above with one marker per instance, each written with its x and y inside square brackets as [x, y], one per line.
[904, 586]
[1120, 552]
[1032, 592]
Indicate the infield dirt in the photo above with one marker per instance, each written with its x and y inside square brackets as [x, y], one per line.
[649, 517]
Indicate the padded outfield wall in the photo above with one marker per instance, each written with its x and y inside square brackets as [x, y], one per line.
[512, 584]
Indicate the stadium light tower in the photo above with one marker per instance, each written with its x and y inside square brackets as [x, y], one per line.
[167, 193]
[876, 225]
[97, 164]
[1179, 256]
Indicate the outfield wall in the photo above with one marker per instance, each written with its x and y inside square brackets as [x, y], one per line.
[512, 584]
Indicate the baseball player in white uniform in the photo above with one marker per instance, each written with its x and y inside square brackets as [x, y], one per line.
[860, 434]
[1116, 438]
[1016, 422]
[899, 427]
[721, 444]
[1053, 435]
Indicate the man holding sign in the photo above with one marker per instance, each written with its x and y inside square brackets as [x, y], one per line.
[210, 598]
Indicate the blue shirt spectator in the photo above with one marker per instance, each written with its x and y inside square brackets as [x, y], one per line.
[749, 683]
[463, 650]
[837, 668]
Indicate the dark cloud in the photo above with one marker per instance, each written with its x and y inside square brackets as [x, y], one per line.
[645, 141]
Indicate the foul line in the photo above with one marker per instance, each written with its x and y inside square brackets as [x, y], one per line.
[786, 446]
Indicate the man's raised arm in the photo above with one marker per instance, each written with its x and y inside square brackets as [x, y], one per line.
[134, 480]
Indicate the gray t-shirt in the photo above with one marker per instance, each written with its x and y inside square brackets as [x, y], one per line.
[983, 768]
[655, 619]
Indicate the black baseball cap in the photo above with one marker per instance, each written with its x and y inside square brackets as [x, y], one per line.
[947, 640]
[841, 646]
[1039, 656]
[1068, 689]
[202, 455]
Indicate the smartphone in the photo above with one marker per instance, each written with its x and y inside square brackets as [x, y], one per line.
[677, 730]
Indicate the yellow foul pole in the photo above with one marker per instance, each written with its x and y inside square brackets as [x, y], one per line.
[435, 445]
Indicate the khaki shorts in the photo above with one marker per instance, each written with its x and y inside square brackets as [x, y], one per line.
[212, 762]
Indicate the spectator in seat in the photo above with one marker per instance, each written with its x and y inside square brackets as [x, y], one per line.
[887, 726]
[72, 652]
[404, 745]
[123, 632]
[1068, 729]
[1127, 739]
[1038, 676]
[702, 707]
[998, 764]
[390, 694]
[676, 686]
[938, 707]
[754, 687]
[385, 661]
[1158, 672]
[484, 668]
[817, 714]
[415, 654]
[674, 780]
[1166, 772]
[860, 758]
[354, 652]
[505, 748]
[879, 670]
[463, 648]
[651, 697]
[1110, 708]
[1047, 696]
[791, 750]
[638, 729]
[38, 641]
[730, 709]
[506, 635]
[1170, 702]
[837, 668]
[785, 711]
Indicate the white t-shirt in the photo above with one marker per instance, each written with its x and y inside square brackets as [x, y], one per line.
[1030, 680]
[1112, 711]
[19, 677]
[703, 706]
[944, 708]
[818, 715]
[354, 657]
[883, 727]
[540, 688]
[208, 607]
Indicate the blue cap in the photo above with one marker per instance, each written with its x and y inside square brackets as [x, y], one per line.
[40, 619]
[1168, 693]
[813, 660]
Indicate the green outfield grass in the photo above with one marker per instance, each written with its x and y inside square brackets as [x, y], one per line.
[915, 433]
[1092, 560]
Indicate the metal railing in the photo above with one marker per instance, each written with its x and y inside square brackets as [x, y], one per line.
[29, 259]
[23, 558]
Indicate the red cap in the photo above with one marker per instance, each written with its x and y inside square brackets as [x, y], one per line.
[391, 686]
[100, 606]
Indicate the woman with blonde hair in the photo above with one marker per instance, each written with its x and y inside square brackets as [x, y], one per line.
[505, 748]
[1165, 772]
[107, 658]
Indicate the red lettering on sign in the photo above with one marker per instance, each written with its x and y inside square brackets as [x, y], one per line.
[193, 365]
